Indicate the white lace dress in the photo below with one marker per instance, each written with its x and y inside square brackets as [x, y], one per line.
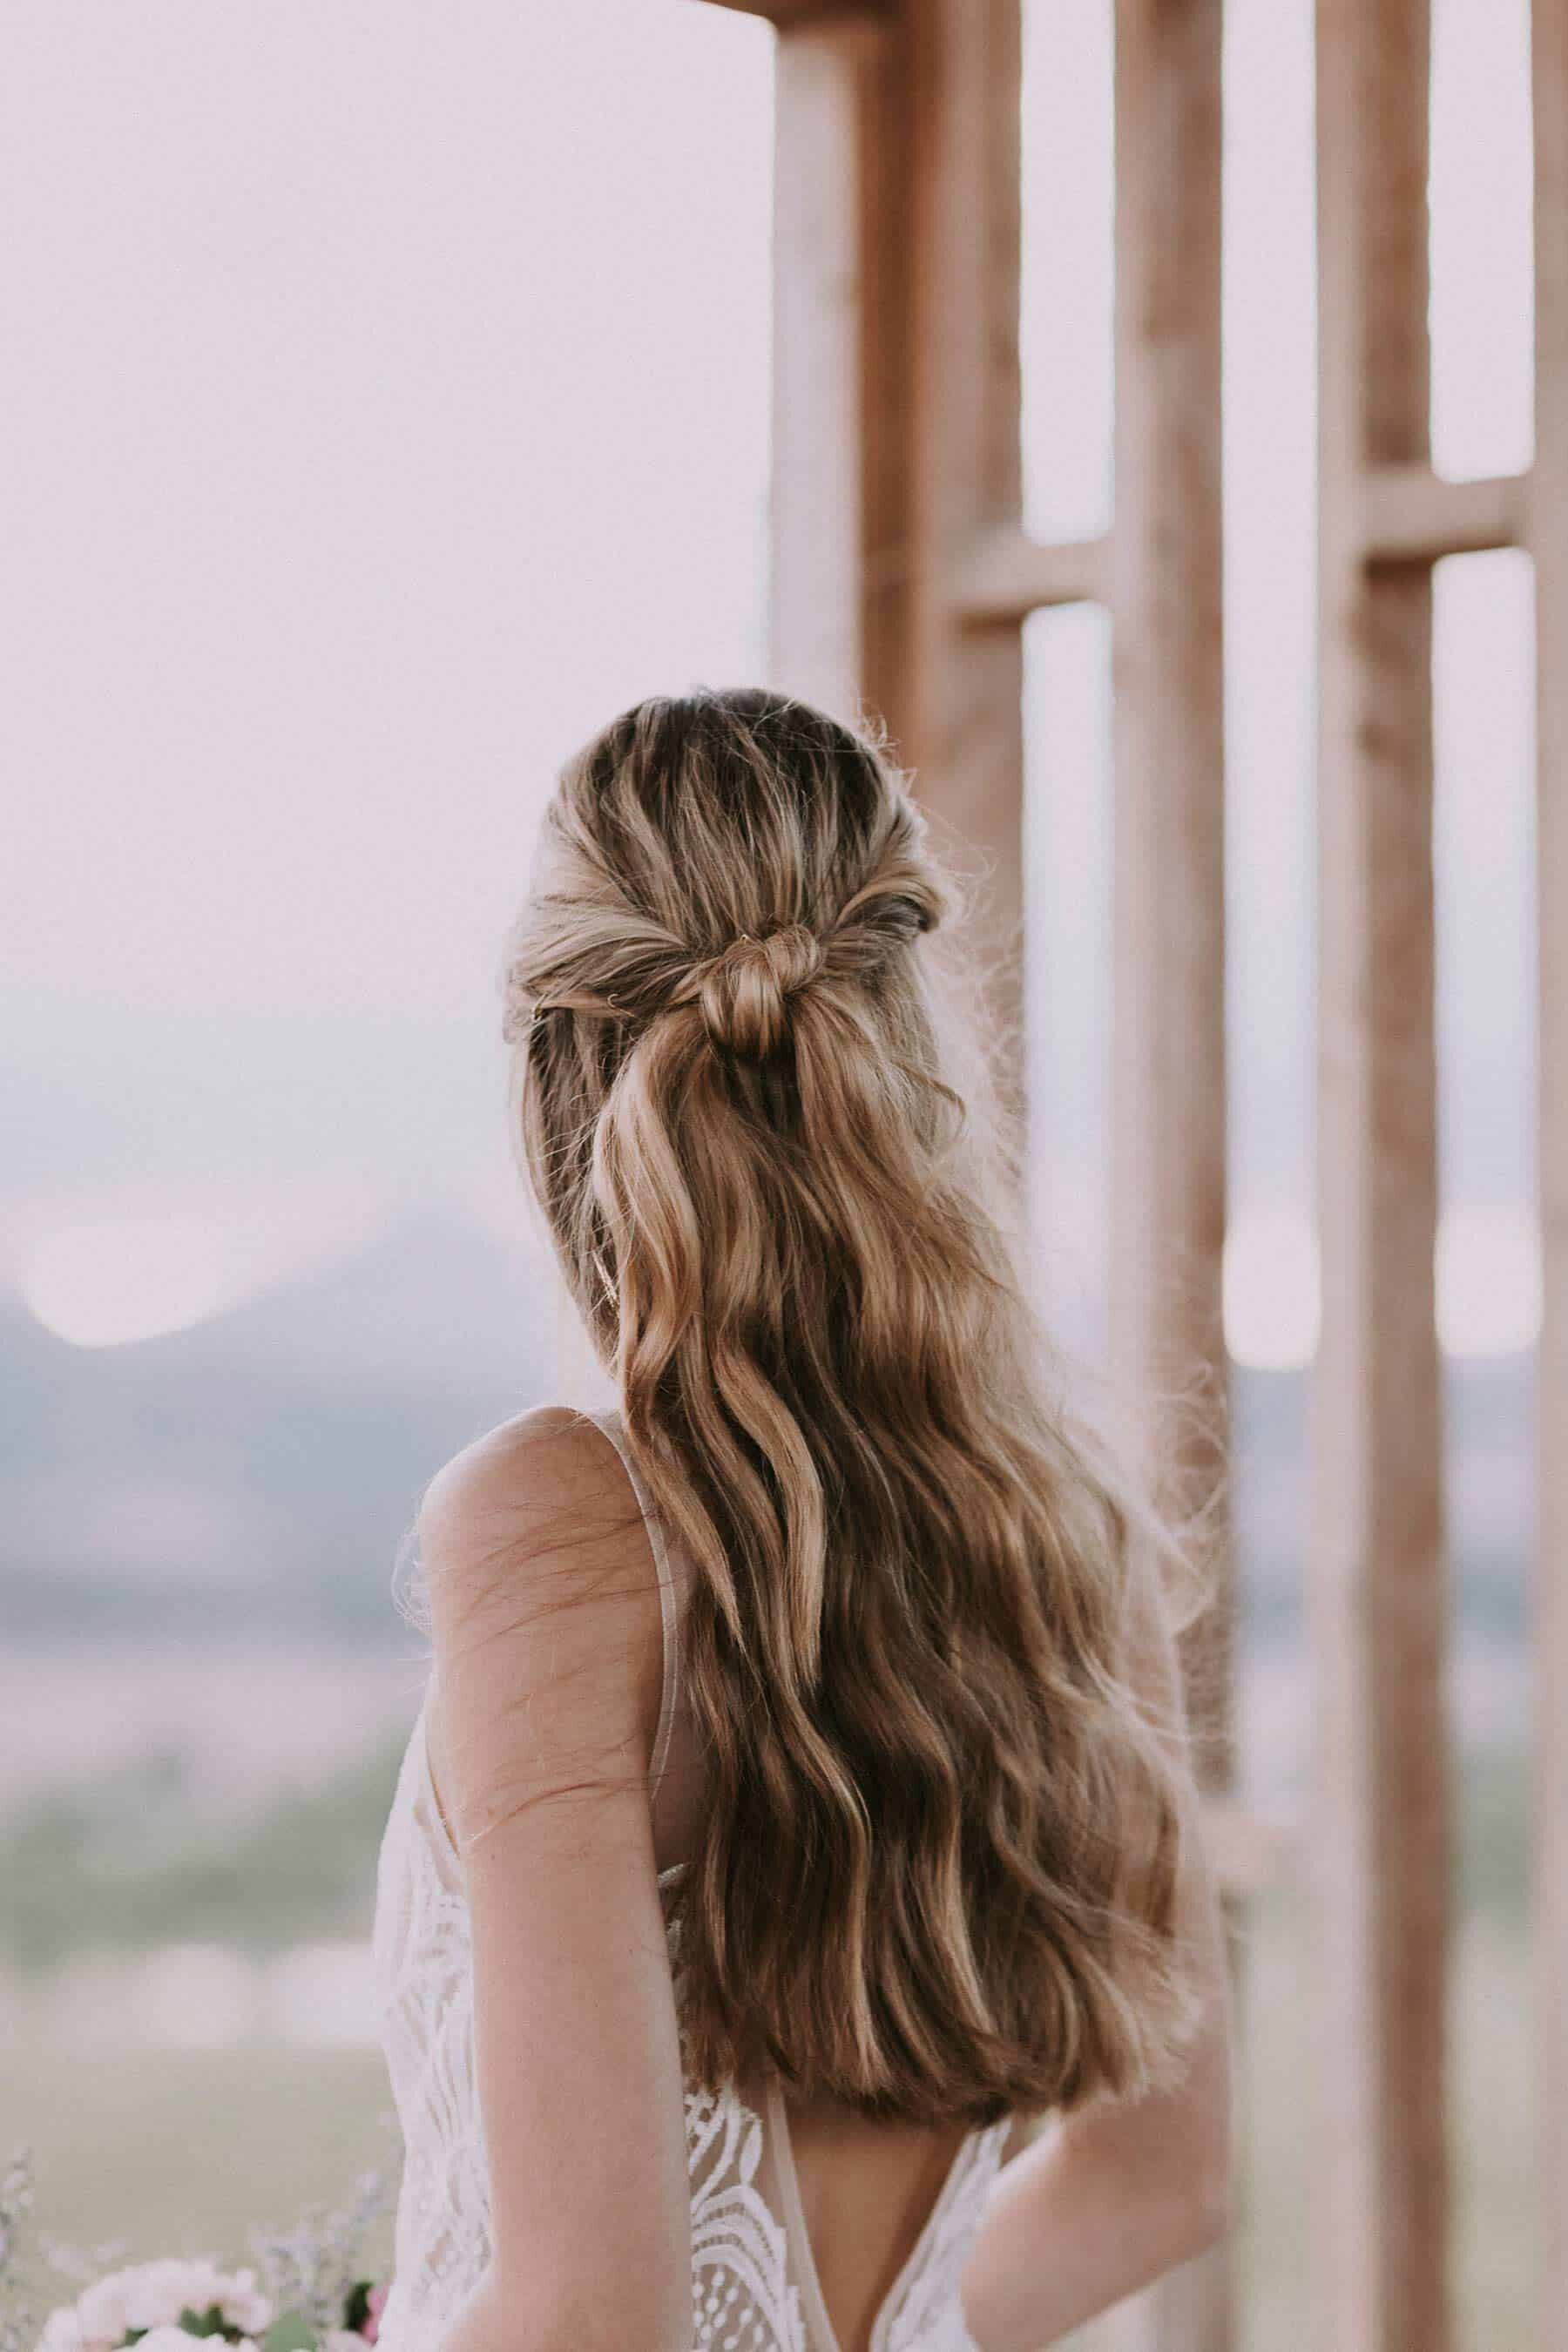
[755, 2281]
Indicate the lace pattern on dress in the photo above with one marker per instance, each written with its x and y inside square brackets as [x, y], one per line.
[746, 2297]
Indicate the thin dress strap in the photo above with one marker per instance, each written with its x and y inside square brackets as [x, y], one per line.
[609, 1418]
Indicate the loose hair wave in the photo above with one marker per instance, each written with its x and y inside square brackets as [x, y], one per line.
[937, 1875]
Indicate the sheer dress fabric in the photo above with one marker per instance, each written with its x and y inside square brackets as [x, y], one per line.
[754, 2282]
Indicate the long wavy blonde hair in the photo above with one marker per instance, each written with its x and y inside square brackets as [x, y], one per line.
[937, 1873]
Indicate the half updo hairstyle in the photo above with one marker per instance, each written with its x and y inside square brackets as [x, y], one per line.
[936, 1876]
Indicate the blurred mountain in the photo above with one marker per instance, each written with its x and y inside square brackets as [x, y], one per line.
[254, 1474]
[259, 1470]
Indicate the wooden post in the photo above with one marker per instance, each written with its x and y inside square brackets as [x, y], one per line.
[1547, 532]
[842, 571]
[902, 569]
[953, 688]
[1169, 1079]
[819, 588]
[897, 413]
[1380, 1843]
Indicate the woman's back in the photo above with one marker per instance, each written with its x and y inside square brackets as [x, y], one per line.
[815, 2228]
[915, 1837]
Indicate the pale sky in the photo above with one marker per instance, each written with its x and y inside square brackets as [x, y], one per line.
[384, 403]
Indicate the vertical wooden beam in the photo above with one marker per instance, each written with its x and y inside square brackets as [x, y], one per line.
[896, 414]
[1547, 532]
[819, 588]
[1380, 1845]
[953, 692]
[886, 275]
[842, 587]
[1169, 1078]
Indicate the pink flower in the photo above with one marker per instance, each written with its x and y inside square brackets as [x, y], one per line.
[375, 2304]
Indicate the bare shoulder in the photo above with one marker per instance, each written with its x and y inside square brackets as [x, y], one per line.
[546, 1475]
[544, 1610]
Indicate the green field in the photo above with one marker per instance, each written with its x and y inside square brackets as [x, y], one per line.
[178, 2150]
[175, 2151]
[182, 2151]
[1492, 2136]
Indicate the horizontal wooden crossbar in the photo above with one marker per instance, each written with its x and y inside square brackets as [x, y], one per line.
[1410, 514]
[787, 12]
[1006, 574]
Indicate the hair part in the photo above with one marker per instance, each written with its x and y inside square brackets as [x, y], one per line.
[937, 1875]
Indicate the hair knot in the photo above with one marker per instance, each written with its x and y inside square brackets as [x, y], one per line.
[743, 991]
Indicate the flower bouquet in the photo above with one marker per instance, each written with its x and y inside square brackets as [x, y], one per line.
[303, 2292]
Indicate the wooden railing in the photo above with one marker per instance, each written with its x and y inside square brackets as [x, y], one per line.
[1381, 1839]
[903, 574]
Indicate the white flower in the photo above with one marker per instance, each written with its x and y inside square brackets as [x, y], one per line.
[151, 2297]
[342, 2339]
[167, 2339]
[159, 2292]
[62, 2331]
[103, 2310]
[243, 2304]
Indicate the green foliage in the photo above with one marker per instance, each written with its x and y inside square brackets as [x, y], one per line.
[129, 1863]
[289, 2334]
[18, 2320]
[210, 2322]
[357, 2311]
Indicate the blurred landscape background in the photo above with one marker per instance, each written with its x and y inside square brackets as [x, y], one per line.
[386, 403]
